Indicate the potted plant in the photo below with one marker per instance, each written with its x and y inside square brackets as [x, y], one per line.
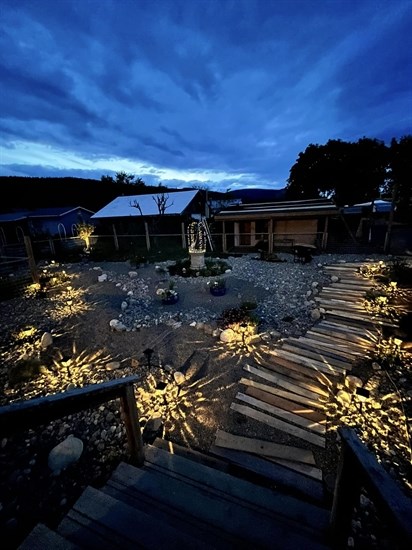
[218, 287]
[168, 295]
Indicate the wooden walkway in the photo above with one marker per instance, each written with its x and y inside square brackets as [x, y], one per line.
[288, 387]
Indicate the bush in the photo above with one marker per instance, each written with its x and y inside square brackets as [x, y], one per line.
[213, 268]
[237, 316]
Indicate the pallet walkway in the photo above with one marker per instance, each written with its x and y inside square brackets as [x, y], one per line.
[288, 387]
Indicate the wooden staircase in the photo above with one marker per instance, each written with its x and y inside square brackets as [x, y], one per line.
[177, 502]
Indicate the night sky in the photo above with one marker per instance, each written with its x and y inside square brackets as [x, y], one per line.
[220, 93]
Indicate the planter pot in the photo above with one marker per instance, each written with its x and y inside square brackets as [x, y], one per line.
[217, 291]
[170, 300]
[197, 260]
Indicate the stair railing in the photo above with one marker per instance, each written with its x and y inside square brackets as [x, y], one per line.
[359, 468]
[42, 410]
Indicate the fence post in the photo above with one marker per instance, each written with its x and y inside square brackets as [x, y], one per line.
[183, 236]
[325, 234]
[146, 228]
[32, 261]
[224, 237]
[116, 240]
[270, 237]
[131, 420]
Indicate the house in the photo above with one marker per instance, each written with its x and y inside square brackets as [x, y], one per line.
[41, 223]
[273, 224]
[162, 211]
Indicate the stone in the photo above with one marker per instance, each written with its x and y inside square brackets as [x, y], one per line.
[344, 397]
[113, 365]
[334, 279]
[117, 325]
[124, 306]
[101, 278]
[193, 324]
[315, 315]
[133, 274]
[46, 340]
[353, 382]
[228, 335]
[179, 378]
[65, 453]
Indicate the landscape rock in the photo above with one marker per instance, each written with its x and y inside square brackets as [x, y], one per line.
[46, 340]
[65, 453]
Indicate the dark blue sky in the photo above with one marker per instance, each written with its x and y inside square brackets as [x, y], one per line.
[223, 93]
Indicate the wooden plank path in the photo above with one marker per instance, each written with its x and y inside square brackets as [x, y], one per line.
[288, 387]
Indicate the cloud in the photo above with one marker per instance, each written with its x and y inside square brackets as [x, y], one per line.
[217, 87]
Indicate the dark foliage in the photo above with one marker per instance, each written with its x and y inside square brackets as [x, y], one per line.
[212, 268]
[237, 315]
[353, 172]
[20, 193]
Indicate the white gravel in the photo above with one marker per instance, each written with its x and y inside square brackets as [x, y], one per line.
[284, 292]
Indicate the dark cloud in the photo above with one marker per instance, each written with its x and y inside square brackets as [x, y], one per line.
[230, 87]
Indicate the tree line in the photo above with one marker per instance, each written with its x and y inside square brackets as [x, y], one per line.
[355, 172]
[26, 193]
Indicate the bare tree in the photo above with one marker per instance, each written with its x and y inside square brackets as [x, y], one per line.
[135, 204]
[162, 204]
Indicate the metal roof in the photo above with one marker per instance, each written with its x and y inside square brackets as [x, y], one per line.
[379, 205]
[311, 207]
[40, 213]
[122, 207]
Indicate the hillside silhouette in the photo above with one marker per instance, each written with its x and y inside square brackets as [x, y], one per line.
[21, 193]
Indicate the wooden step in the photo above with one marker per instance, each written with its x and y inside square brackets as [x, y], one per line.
[292, 458]
[235, 510]
[191, 454]
[361, 319]
[43, 538]
[322, 367]
[341, 335]
[338, 304]
[263, 448]
[283, 383]
[317, 405]
[350, 329]
[294, 370]
[337, 348]
[276, 475]
[331, 339]
[282, 413]
[312, 345]
[281, 425]
[343, 364]
[280, 402]
[351, 297]
[97, 520]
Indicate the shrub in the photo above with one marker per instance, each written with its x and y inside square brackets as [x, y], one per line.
[213, 268]
[237, 316]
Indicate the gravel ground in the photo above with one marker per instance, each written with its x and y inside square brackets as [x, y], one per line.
[77, 314]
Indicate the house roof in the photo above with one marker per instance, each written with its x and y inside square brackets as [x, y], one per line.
[379, 205]
[121, 207]
[282, 209]
[57, 211]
